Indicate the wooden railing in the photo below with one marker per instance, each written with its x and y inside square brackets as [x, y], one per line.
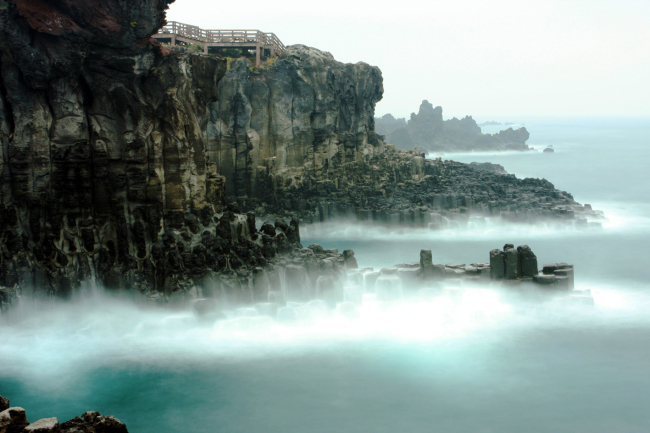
[269, 40]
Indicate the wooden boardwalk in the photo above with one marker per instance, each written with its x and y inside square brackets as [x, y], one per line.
[263, 43]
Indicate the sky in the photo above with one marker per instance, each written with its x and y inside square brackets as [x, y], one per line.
[481, 58]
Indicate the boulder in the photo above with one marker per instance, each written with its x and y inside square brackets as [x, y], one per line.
[4, 403]
[45, 425]
[13, 420]
[549, 150]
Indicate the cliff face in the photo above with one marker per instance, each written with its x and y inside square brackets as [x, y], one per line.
[106, 171]
[427, 131]
[309, 111]
[121, 161]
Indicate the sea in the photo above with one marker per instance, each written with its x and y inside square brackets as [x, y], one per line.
[480, 362]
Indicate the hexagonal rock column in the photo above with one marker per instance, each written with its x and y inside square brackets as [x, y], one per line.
[511, 256]
[527, 261]
[497, 265]
[429, 270]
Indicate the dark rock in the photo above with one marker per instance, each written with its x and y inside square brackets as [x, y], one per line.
[551, 268]
[497, 265]
[549, 150]
[512, 264]
[528, 261]
[13, 420]
[4, 403]
[546, 280]
[93, 421]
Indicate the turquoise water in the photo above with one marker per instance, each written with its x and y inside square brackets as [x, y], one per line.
[482, 365]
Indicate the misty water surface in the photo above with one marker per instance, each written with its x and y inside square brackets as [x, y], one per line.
[481, 362]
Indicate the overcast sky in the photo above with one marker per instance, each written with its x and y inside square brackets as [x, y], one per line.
[484, 58]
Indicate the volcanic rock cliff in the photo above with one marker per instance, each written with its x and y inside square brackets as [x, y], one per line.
[121, 160]
[427, 131]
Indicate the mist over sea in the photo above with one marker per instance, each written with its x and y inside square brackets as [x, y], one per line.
[481, 363]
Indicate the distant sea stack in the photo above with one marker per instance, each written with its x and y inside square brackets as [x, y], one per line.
[429, 132]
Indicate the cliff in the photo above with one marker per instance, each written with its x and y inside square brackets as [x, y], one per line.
[105, 169]
[308, 112]
[428, 131]
[121, 161]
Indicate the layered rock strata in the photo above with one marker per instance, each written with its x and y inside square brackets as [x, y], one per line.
[14, 420]
[427, 131]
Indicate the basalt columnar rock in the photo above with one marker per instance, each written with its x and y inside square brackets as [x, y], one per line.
[511, 270]
[427, 131]
[397, 187]
[106, 170]
[121, 160]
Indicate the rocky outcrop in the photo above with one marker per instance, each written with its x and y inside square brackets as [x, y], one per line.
[428, 132]
[299, 139]
[397, 187]
[14, 420]
[122, 161]
[106, 167]
[513, 271]
[298, 121]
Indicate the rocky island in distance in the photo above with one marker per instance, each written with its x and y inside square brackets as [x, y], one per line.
[428, 132]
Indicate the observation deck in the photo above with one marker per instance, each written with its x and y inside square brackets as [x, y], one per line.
[264, 44]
